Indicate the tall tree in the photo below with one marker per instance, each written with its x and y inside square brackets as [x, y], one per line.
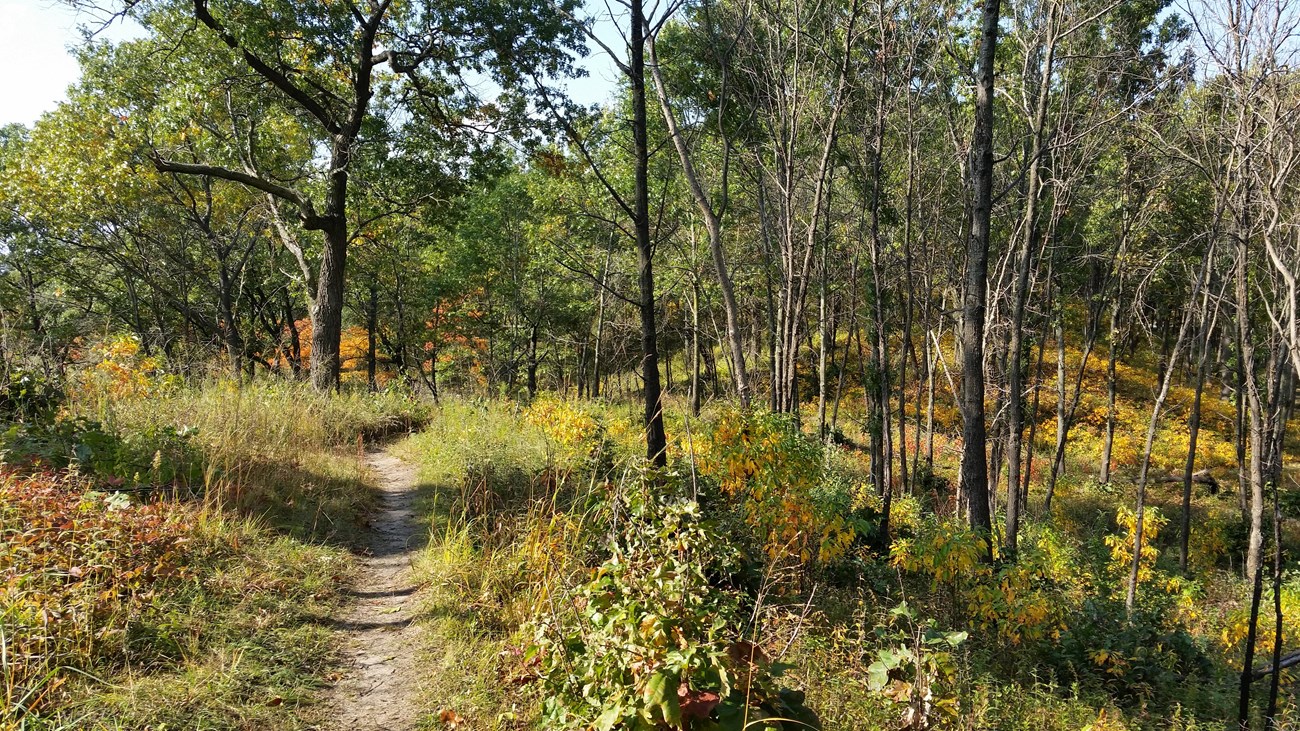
[712, 212]
[323, 60]
[974, 458]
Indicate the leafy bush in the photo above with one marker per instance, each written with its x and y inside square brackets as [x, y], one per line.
[1132, 658]
[777, 473]
[155, 457]
[29, 397]
[78, 570]
[650, 643]
[915, 667]
[1019, 600]
[116, 368]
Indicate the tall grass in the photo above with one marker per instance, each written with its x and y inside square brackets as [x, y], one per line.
[151, 610]
[508, 532]
[276, 451]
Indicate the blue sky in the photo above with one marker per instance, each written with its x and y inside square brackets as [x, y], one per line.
[35, 36]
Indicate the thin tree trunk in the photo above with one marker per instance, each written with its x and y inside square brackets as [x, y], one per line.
[1033, 423]
[372, 329]
[600, 325]
[1194, 428]
[852, 328]
[974, 462]
[229, 330]
[656, 439]
[532, 360]
[295, 341]
[1270, 712]
[712, 223]
[1024, 264]
[822, 346]
[1108, 436]
[695, 347]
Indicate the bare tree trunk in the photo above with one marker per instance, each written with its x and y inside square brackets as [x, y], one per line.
[532, 360]
[974, 462]
[1066, 410]
[823, 334]
[1033, 424]
[773, 341]
[600, 325]
[656, 439]
[229, 328]
[1024, 264]
[295, 341]
[852, 328]
[1270, 712]
[1108, 435]
[695, 347]
[879, 415]
[1252, 417]
[372, 329]
[1194, 428]
[327, 316]
[712, 223]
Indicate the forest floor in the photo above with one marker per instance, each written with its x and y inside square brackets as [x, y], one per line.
[380, 682]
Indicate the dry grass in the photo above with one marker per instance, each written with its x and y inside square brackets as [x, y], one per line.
[224, 625]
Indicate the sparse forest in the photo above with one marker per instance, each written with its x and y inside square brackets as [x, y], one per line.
[857, 364]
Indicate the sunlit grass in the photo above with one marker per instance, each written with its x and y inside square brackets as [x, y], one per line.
[233, 633]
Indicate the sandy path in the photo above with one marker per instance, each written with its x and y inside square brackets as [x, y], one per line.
[379, 687]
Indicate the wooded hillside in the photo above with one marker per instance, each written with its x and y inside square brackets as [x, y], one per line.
[985, 313]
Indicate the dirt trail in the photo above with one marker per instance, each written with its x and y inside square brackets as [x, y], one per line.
[380, 685]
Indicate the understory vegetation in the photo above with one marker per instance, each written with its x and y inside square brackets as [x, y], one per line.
[572, 587]
[172, 552]
[163, 537]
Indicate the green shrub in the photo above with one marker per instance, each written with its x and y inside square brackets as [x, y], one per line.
[1133, 658]
[915, 667]
[650, 643]
[154, 457]
[29, 397]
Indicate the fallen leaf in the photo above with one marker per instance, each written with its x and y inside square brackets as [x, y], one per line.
[450, 718]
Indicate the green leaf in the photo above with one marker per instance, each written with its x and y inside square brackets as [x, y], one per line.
[609, 719]
[777, 669]
[903, 610]
[877, 675]
[731, 717]
[661, 693]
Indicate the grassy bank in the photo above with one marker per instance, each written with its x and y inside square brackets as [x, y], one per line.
[173, 552]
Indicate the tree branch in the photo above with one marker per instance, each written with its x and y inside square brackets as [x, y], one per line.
[307, 211]
[268, 72]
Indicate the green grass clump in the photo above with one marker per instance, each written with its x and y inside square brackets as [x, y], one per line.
[277, 452]
[501, 545]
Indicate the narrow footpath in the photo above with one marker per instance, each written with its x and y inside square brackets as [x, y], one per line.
[379, 688]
